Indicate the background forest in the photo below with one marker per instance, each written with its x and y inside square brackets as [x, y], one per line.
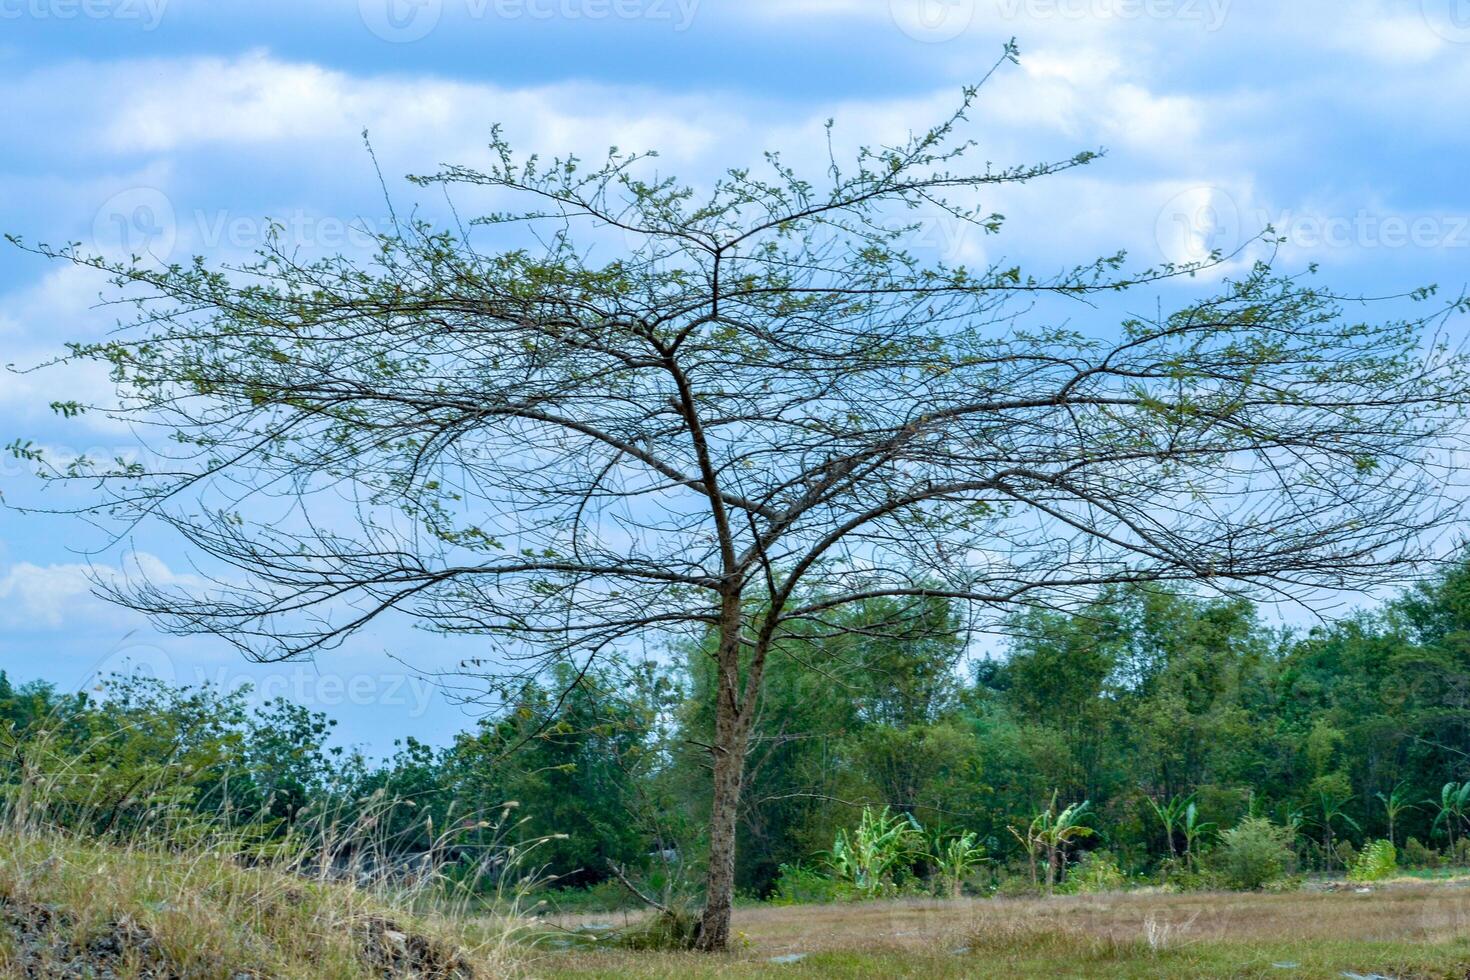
[1117, 718]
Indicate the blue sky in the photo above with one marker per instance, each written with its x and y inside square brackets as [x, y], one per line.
[179, 126]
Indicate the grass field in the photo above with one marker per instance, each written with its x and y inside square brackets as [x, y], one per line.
[78, 908]
[1402, 929]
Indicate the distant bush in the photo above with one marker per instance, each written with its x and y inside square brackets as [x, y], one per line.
[1191, 880]
[1018, 886]
[1096, 872]
[1416, 855]
[797, 885]
[1377, 860]
[1253, 854]
[670, 930]
[605, 896]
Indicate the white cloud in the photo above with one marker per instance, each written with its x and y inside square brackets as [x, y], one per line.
[1392, 33]
[157, 123]
[59, 596]
[44, 595]
[170, 106]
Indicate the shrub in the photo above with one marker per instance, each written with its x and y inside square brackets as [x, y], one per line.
[670, 930]
[1253, 854]
[604, 896]
[1377, 860]
[1096, 872]
[1416, 855]
[1018, 886]
[1190, 880]
[797, 885]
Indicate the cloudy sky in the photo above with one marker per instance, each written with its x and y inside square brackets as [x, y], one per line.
[180, 127]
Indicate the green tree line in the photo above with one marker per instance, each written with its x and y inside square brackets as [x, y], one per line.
[1158, 716]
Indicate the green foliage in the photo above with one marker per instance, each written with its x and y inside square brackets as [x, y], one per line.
[581, 763]
[1180, 817]
[1253, 854]
[871, 855]
[1170, 814]
[1018, 886]
[1395, 804]
[1196, 716]
[799, 885]
[1049, 835]
[877, 720]
[1452, 809]
[1096, 872]
[1416, 855]
[669, 930]
[955, 859]
[1376, 861]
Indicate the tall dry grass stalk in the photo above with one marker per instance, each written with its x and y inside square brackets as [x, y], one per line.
[332, 895]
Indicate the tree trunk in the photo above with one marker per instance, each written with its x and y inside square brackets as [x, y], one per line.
[732, 729]
[714, 930]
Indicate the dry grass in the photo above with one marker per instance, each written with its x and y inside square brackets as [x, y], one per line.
[71, 907]
[178, 897]
[1404, 929]
[144, 911]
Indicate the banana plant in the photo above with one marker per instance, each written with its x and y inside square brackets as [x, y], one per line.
[1453, 804]
[882, 842]
[1171, 814]
[1194, 830]
[1050, 833]
[1394, 803]
[955, 858]
[1330, 806]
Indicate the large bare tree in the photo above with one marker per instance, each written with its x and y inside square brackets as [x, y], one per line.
[759, 409]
